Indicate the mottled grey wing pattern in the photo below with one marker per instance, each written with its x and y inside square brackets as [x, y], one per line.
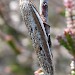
[38, 35]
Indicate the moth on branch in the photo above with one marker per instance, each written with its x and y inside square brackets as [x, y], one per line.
[38, 35]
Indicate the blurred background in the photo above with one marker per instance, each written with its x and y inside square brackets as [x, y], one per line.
[17, 56]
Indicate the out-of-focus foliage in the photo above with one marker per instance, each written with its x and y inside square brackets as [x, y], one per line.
[67, 40]
[17, 56]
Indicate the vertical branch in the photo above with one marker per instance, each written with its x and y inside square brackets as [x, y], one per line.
[44, 10]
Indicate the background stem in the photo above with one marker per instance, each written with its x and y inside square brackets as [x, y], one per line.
[44, 10]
